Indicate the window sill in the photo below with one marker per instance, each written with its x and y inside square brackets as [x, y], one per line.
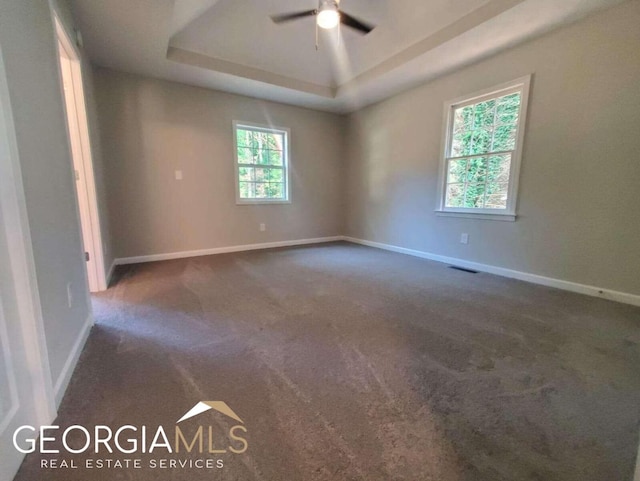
[477, 215]
[262, 202]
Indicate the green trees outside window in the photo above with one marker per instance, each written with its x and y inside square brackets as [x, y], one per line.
[261, 157]
[483, 141]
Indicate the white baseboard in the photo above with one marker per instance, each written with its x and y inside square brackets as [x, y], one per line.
[223, 250]
[110, 273]
[67, 370]
[594, 291]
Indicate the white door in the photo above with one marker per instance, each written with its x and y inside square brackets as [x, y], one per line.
[79, 141]
[16, 403]
[66, 69]
[26, 395]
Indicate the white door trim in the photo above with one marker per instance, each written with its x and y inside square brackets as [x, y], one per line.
[97, 278]
[636, 476]
[5, 347]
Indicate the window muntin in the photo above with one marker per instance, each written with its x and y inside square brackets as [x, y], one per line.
[261, 164]
[482, 151]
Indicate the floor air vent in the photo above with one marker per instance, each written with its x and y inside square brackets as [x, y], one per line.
[463, 269]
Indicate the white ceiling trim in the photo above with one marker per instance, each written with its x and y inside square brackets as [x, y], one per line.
[464, 24]
[196, 59]
[459, 27]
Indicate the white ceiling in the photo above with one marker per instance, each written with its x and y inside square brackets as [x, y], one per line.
[242, 32]
[232, 45]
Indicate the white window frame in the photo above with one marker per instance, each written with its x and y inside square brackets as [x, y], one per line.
[286, 161]
[522, 85]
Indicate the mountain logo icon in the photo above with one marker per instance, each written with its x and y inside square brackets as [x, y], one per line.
[204, 406]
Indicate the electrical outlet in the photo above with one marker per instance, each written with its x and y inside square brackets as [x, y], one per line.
[178, 175]
[464, 239]
[69, 295]
[263, 227]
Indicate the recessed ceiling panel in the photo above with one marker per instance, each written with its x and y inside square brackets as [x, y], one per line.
[240, 31]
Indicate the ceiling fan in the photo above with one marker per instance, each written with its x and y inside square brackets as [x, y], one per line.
[328, 15]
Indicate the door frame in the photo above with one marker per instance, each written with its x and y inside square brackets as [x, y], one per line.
[636, 476]
[22, 269]
[86, 191]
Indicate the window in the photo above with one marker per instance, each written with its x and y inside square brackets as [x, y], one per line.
[262, 164]
[482, 150]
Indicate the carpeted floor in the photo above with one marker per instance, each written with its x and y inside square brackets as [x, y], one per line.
[350, 363]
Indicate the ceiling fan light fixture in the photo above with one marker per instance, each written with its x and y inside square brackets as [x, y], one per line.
[328, 17]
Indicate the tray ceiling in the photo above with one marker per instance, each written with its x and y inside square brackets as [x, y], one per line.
[232, 45]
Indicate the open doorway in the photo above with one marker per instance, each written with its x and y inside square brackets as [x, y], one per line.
[71, 72]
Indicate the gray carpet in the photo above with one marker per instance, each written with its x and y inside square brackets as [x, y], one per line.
[351, 363]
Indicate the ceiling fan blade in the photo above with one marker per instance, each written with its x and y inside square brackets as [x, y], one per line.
[287, 17]
[354, 23]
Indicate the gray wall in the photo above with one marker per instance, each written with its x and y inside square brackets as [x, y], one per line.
[577, 210]
[98, 163]
[30, 55]
[150, 128]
